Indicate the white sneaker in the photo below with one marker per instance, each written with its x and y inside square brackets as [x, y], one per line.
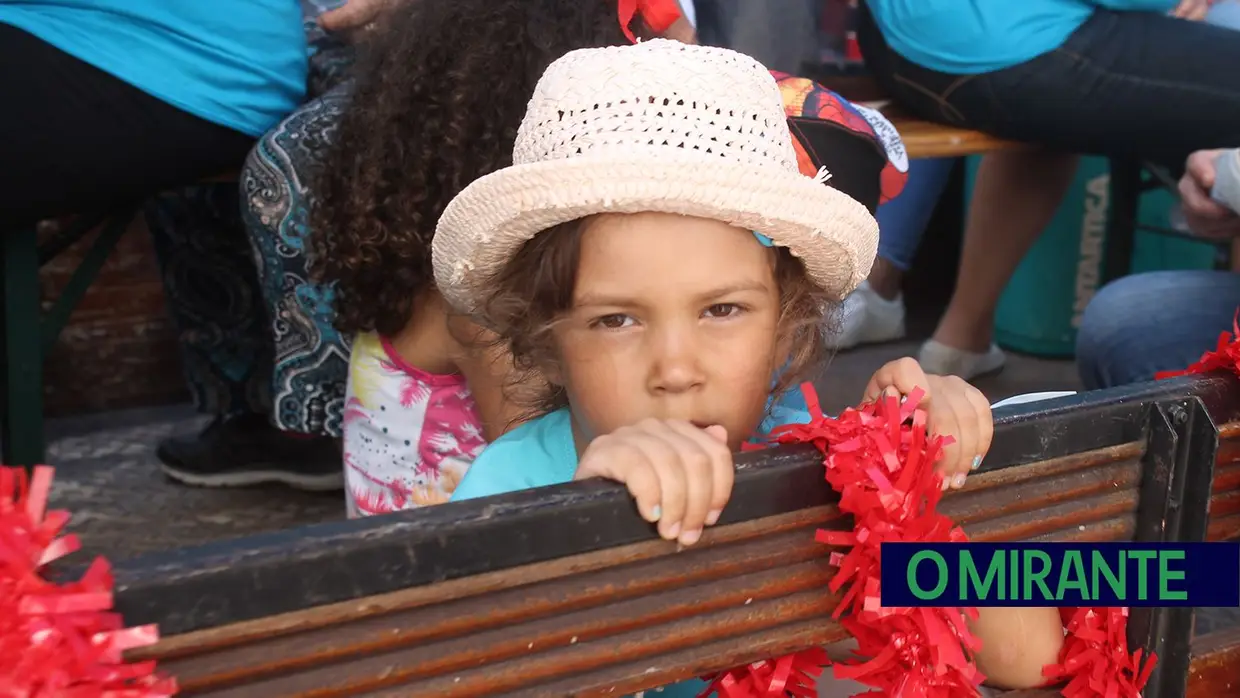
[941, 360]
[868, 318]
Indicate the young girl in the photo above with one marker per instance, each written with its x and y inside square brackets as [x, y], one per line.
[438, 103]
[617, 257]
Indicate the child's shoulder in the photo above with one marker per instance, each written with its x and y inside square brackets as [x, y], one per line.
[538, 453]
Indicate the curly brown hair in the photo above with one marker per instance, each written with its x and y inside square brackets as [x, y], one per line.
[536, 288]
[440, 94]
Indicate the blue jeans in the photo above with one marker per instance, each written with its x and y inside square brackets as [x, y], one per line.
[902, 221]
[1137, 85]
[1159, 321]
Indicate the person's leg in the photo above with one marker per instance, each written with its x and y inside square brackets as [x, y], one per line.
[288, 436]
[1014, 198]
[1127, 84]
[1160, 321]
[311, 362]
[213, 294]
[211, 290]
[875, 311]
[75, 139]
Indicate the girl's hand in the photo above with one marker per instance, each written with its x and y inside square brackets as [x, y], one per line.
[680, 475]
[954, 408]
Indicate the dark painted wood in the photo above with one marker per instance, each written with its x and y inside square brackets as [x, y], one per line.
[566, 590]
[265, 575]
[623, 618]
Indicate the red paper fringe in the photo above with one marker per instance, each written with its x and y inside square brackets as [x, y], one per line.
[1226, 355]
[1095, 659]
[60, 641]
[881, 459]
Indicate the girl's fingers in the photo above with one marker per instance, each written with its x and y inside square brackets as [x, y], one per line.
[985, 425]
[713, 441]
[943, 421]
[672, 485]
[899, 377]
[620, 460]
[966, 438]
[694, 462]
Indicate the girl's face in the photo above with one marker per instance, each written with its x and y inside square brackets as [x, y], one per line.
[673, 317]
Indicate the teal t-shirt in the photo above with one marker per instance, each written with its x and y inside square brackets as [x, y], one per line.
[542, 452]
[967, 37]
[237, 63]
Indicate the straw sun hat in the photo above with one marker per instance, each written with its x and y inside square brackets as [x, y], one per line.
[657, 126]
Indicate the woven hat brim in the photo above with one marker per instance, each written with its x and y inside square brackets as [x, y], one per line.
[486, 224]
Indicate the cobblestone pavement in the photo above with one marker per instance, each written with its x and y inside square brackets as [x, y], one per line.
[108, 478]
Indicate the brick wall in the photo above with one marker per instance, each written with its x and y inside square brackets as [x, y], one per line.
[119, 348]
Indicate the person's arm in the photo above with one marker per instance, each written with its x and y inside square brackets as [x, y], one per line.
[1206, 217]
[488, 372]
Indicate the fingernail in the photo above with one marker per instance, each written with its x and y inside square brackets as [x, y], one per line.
[958, 481]
[712, 517]
[656, 513]
[946, 483]
[673, 531]
[977, 463]
[690, 537]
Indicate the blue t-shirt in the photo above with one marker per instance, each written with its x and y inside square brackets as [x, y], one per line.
[542, 452]
[237, 63]
[966, 37]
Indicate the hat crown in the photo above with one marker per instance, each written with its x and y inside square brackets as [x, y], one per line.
[657, 98]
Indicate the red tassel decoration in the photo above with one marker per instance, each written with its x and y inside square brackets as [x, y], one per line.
[794, 675]
[659, 15]
[60, 641]
[1095, 660]
[881, 461]
[1226, 355]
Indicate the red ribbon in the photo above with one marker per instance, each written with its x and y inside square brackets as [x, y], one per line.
[60, 641]
[659, 15]
[880, 459]
[1226, 355]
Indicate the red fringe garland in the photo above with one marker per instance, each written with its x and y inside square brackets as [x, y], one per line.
[60, 641]
[1095, 660]
[880, 458]
[1226, 355]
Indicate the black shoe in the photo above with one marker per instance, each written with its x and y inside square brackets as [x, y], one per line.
[246, 450]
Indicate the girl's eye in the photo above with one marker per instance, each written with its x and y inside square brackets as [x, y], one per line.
[615, 321]
[722, 310]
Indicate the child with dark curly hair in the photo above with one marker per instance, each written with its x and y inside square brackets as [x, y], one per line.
[440, 95]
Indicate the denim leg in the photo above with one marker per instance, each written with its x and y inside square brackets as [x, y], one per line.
[311, 357]
[902, 221]
[1125, 84]
[1159, 321]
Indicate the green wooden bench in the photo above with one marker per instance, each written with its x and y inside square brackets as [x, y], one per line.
[30, 330]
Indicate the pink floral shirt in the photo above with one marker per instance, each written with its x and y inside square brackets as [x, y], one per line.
[409, 435]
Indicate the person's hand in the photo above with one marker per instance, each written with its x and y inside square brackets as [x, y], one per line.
[954, 409]
[680, 475]
[1206, 217]
[1192, 10]
[353, 15]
